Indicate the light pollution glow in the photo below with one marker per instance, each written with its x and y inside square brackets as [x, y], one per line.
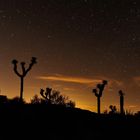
[78, 89]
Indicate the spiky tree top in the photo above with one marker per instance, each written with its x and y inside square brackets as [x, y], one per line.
[24, 70]
[121, 93]
[99, 89]
[47, 94]
[23, 73]
[113, 108]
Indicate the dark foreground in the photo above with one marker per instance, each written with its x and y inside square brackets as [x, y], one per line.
[55, 122]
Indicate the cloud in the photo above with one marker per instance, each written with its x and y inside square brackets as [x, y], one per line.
[90, 82]
[62, 78]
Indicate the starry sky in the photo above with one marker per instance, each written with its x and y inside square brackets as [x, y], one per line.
[78, 43]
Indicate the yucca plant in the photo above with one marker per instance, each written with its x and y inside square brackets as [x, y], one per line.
[121, 94]
[23, 74]
[98, 91]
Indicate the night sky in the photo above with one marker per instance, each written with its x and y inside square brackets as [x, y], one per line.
[77, 43]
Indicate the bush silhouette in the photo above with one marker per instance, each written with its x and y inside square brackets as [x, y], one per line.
[16, 100]
[3, 99]
[35, 99]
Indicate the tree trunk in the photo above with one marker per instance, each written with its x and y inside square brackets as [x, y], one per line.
[98, 105]
[121, 105]
[21, 89]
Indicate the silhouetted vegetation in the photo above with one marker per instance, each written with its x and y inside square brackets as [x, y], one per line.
[98, 91]
[36, 100]
[24, 73]
[16, 101]
[113, 109]
[3, 99]
[54, 97]
[121, 102]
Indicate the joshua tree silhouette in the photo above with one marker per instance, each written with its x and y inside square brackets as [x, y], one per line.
[24, 73]
[47, 94]
[121, 94]
[113, 109]
[98, 93]
[54, 97]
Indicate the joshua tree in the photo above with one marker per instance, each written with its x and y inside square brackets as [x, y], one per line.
[121, 94]
[23, 74]
[113, 109]
[47, 94]
[54, 97]
[98, 93]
